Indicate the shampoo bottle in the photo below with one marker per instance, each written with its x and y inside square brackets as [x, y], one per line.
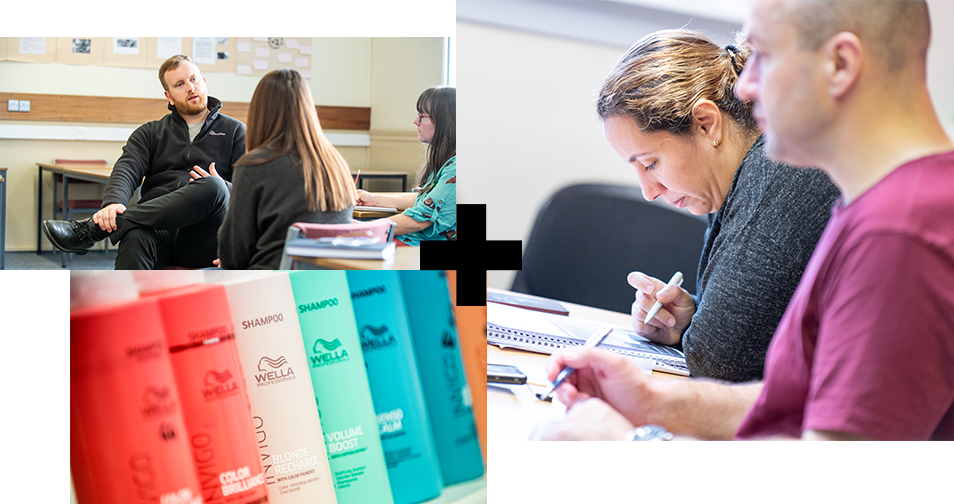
[396, 389]
[205, 360]
[472, 330]
[128, 441]
[341, 387]
[284, 414]
[437, 348]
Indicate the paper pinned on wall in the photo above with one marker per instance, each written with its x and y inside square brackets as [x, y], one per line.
[203, 50]
[260, 39]
[32, 45]
[243, 69]
[126, 45]
[82, 45]
[284, 58]
[261, 64]
[301, 62]
[168, 46]
[244, 47]
[305, 73]
[261, 52]
[291, 43]
[304, 49]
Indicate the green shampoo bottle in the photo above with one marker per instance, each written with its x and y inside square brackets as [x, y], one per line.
[337, 368]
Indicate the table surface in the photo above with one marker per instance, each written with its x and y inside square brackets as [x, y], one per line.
[76, 166]
[405, 258]
[513, 411]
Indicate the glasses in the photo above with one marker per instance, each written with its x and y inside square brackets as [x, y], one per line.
[421, 116]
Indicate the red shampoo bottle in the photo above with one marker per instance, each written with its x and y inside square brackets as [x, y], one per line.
[128, 442]
[206, 363]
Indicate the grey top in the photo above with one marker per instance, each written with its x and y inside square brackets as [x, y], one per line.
[757, 246]
[266, 199]
[194, 129]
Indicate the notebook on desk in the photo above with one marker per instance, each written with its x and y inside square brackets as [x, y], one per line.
[510, 327]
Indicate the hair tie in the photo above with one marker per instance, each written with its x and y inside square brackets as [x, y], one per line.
[732, 50]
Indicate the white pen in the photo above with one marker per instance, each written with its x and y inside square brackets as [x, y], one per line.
[675, 280]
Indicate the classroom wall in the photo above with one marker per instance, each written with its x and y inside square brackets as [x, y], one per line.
[528, 123]
[386, 74]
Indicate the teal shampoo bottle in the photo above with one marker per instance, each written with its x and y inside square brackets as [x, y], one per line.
[340, 384]
[396, 389]
[437, 348]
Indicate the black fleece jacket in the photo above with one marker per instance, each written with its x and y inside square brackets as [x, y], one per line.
[161, 152]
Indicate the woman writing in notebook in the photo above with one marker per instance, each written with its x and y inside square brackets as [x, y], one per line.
[431, 214]
[291, 173]
[669, 111]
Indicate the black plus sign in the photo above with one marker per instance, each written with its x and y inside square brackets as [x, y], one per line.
[472, 255]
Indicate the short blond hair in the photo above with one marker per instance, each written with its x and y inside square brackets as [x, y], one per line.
[172, 63]
[663, 75]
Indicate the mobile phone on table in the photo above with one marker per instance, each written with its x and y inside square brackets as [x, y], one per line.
[498, 373]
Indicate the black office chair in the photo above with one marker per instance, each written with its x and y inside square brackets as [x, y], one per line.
[588, 237]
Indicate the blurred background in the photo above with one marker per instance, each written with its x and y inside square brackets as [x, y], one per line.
[532, 70]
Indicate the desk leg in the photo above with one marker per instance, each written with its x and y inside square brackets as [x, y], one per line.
[39, 209]
[66, 190]
[3, 220]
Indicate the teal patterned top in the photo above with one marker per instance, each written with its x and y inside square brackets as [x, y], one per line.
[437, 204]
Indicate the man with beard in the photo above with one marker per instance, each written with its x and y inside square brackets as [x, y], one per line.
[183, 204]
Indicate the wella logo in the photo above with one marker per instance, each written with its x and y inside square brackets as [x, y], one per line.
[219, 385]
[447, 340]
[157, 401]
[273, 371]
[375, 338]
[327, 352]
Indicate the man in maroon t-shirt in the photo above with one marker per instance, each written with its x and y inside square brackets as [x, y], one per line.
[866, 347]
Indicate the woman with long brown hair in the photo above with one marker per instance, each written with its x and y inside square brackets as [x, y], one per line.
[291, 173]
[431, 214]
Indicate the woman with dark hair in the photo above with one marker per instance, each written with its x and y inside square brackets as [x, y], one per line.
[291, 173]
[669, 111]
[431, 214]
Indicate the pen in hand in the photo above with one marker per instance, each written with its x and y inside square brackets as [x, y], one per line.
[593, 341]
[675, 280]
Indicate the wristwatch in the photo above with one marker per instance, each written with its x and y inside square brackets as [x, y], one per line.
[649, 433]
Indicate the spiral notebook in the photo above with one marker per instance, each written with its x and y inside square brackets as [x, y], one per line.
[510, 327]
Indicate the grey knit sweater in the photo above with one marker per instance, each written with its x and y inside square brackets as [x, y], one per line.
[757, 246]
[266, 199]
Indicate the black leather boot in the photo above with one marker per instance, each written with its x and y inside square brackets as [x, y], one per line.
[73, 236]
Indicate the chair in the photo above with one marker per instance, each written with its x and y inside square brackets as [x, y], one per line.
[588, 237]
[383, 228]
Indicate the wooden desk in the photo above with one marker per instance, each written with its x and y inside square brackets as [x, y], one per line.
[513, 411]
[405, 258]
[364, 215]
[3, 215]
[90, 172]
